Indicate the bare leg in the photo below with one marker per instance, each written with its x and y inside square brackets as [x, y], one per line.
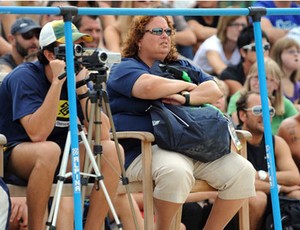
[138, 197]
[122, 206]
[98, 205]
[257, 208]
[165, 212]
[36, 162]
[65, 218]
[222, 212]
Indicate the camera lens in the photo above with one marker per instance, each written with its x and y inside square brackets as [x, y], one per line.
[103, 57]
[77, 50]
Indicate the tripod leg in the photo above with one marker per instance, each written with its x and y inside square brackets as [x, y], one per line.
[86, 161]
[124, 179]
[100, 178]
[61, 178]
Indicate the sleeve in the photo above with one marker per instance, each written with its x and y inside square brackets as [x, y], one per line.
[289, 108]
[213, 43]
[123, 76]
[25, 88]
[179, 22]
[226, 74]
[232, 103]
[194, 70]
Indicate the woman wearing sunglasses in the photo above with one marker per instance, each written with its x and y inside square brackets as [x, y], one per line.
[284, 108]
[132, 87]
[220, 50]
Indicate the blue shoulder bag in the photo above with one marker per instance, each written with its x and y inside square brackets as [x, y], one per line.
[198, 132]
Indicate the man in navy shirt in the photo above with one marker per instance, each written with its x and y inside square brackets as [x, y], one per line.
[34, 117]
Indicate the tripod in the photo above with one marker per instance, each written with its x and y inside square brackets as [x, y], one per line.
[63, 175]
[96, 96]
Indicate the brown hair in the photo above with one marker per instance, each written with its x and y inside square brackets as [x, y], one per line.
[272, 69]
[136, 32]
[279, 46]
[224, 22]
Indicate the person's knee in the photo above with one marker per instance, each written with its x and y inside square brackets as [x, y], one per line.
[238, 182]
[258, 203]
[175, 172]
[248, 170]
[111, 154]
[48, 154]
[247, 173]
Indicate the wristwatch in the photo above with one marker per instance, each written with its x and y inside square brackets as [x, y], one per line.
[262, 175]
[187, 97]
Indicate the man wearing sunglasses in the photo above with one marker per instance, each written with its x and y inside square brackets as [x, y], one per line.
[249, 110]
[23, 37]
[235, 75]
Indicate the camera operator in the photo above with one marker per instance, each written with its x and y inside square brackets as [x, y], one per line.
[34, 117]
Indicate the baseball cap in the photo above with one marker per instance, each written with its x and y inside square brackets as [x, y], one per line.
[23, 25]
[54, 31]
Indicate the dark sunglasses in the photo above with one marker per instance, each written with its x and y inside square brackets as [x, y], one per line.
[159, 31]
[252, 47]
[257, 110]
[30, 34]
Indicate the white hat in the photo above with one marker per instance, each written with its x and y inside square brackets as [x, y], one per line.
[54, 32]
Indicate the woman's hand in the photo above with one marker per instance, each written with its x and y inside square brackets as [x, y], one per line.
[174, 99]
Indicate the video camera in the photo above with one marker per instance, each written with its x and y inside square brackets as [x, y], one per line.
[92, 59]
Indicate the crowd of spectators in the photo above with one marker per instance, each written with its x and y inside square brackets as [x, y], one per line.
[222, 46]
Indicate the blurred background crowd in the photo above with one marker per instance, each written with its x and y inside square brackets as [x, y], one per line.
[222, 46]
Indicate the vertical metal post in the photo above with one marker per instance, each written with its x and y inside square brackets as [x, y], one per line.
[67, 13]
[256, 13]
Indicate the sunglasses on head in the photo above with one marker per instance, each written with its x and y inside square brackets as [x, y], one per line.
[257, 110]
[159, 31]
[30, 34]
[252, 47]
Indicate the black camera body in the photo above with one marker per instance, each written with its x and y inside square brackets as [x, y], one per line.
[92, 59]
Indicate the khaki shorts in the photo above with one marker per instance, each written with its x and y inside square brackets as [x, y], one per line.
[174, 175]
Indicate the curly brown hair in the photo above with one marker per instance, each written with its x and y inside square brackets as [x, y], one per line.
[136, 32]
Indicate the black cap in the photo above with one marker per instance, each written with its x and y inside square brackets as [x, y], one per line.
[23, 25]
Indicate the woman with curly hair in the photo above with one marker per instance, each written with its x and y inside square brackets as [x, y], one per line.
[132, 86]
